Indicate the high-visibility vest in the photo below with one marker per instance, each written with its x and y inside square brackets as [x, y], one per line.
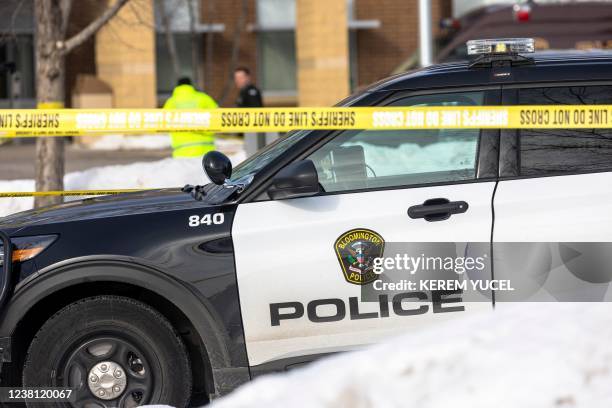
[190, 144]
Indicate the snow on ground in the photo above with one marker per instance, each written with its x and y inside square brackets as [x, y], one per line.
[125, 142]
[163, 173]
[153, 142]
[544, 355]
[556, 355]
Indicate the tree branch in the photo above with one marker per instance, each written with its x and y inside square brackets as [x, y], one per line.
[65, 7]
[93, 28]
[14, 17]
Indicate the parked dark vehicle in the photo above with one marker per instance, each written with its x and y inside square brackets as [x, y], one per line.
[555, 26]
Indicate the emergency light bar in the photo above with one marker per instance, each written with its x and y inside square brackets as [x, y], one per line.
[501, 46]
[500, 52]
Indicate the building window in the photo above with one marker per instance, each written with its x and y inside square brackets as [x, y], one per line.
[276, 42]
[277, 62]
[273, 14]
[18, 50]
[166, 80]
[182, 19]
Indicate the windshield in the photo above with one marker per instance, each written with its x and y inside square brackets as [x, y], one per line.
[265, 156]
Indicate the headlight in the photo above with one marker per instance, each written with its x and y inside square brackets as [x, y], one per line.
[26, 248]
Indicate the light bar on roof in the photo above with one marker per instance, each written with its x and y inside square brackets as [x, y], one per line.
[501, 46]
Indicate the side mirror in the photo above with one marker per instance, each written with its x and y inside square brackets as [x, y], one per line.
[217, 166]
[298, 179]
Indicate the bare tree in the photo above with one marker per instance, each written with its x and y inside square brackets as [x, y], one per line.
[51, 48]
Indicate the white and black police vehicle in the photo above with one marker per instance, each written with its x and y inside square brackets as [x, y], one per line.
[180, 295]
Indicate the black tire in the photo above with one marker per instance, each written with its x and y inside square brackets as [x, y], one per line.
[112, 329]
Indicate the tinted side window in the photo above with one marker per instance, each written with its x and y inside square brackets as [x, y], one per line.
[565, 151]
[360, 159]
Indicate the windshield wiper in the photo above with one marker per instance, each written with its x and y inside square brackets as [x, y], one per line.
[197, 192]
[241, 184]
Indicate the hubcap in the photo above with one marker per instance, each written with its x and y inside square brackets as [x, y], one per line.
[107, 380]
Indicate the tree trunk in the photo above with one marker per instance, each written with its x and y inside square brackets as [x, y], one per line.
[50, 64]
[51, 22]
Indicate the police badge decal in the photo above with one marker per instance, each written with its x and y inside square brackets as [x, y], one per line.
[356, 250]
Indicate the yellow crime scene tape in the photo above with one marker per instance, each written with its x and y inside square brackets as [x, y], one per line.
[77, 122]
[50, 122]
[21, 194]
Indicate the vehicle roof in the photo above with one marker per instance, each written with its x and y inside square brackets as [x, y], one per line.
[549, 66]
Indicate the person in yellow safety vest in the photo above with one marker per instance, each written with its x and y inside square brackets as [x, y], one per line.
[190, 144]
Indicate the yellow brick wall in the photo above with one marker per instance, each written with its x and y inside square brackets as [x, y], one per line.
[125, 55]
[322, 51]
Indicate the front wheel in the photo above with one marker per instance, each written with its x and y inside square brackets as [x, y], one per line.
[114, 352]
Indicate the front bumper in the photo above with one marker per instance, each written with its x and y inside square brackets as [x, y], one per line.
[5, 277]
[5, 351]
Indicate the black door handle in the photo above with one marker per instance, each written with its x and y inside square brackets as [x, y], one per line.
[437, 209]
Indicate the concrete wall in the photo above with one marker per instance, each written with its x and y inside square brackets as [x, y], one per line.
[322, 52]
[81, 60]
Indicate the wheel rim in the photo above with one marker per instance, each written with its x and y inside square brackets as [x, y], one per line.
[107, 380]
[121, 368]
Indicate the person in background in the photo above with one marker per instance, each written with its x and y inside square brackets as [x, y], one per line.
[190, 144]
[250, 96]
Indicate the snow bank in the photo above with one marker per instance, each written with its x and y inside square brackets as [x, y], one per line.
[527, 355]
[157, 174]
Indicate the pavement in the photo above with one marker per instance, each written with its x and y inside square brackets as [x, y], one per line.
[17, 161]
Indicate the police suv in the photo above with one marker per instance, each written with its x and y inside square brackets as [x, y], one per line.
[180, 295]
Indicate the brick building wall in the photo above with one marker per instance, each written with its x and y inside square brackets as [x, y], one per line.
[83, 59]
[227, 12]
[381, 50]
